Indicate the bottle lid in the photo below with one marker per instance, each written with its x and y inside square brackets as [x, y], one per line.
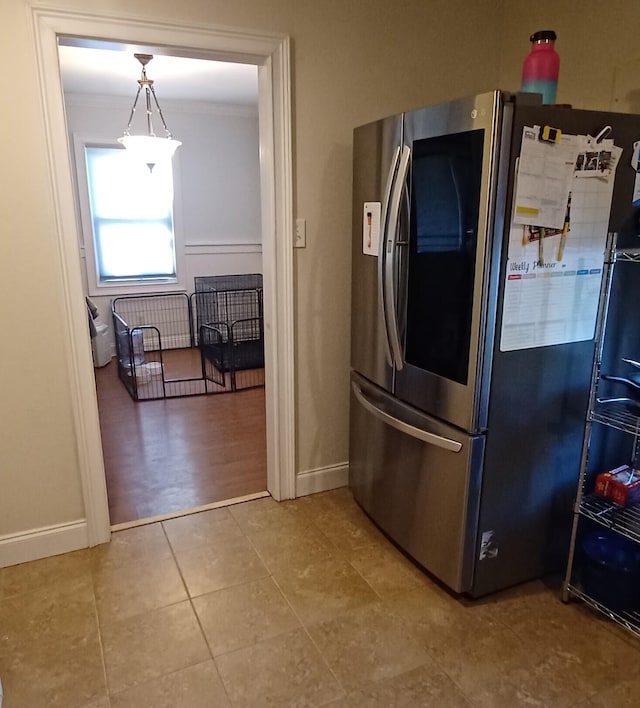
[543, 35]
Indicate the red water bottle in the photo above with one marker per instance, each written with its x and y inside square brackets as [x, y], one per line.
[541, 66]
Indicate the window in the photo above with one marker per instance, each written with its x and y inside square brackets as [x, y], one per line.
[131, 214]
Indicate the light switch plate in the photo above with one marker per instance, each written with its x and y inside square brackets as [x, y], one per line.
[301, 233]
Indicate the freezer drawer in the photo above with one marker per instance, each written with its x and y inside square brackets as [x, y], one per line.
[418, 479]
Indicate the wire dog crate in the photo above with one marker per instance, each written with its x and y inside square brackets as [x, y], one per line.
[172, 345]
[230, 324]
[221, 283]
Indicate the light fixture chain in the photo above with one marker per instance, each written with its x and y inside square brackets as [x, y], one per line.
[133, 110]
[147, 91]
[160, 112]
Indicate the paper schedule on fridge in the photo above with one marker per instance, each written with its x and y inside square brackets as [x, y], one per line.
[544, 176]
[553, 275]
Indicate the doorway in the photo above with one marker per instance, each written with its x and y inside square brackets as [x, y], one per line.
[188, 451]
[271, 54]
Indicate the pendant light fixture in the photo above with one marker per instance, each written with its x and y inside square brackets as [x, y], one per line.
[149, 148]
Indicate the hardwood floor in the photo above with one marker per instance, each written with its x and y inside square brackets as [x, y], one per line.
[170, 455]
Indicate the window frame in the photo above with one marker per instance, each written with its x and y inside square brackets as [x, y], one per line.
[86, 233]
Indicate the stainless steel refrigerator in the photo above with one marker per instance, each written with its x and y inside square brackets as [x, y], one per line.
[466, 419]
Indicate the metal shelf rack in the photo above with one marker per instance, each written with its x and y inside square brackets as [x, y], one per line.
[621, 414]
[627, 254]
[630, 620]
[623, 520]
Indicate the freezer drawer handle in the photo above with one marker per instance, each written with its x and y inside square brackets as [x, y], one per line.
[431, 438]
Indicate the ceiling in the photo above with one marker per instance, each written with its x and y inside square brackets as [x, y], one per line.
[112, 70]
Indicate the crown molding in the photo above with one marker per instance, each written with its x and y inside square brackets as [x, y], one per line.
[90, 100]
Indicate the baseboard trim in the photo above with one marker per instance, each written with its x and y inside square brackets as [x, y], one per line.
[43, 542]
[322, 479]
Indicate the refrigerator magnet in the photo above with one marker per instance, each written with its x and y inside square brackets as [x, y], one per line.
[371, 228]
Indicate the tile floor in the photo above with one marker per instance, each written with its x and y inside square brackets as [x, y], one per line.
[302, 603]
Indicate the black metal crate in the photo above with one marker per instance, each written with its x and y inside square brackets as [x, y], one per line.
[245, 281]
[175, 344]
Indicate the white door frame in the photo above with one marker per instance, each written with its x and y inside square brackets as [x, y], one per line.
[270, 52]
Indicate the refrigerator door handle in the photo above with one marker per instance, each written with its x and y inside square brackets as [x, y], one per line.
[390, 256]
[418, 433]
[382, 295]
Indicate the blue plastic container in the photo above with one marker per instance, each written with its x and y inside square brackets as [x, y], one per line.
[611, 570]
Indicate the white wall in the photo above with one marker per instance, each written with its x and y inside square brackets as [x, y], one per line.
[217, 198]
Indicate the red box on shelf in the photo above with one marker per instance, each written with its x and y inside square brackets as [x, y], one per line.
[621, 485]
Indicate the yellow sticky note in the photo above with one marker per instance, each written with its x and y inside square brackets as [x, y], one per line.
[527, 211]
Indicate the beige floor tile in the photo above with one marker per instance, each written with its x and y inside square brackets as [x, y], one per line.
[261, 514]
[291, 547]
[284, 671]
[367, 644]
[196, 686]
[349, 531]
[386, 569]
[98, 703]
[337, 508]
[335, 502]
[480, 654]
[323, 590]
[54, 674]
[243, 615]
[133, 587]
[579, 665]
[626, 694]
[489, 661]
[45, 573]
[424, 686]
[298, 508]
[216, 526]
[324, 508]
[487, 668]
[522, 606]
[618, 631]
[131, 545]
[209, 568]
[567, 639]
[51, 614]
[147, 646]
[440, 620]
[416, 645]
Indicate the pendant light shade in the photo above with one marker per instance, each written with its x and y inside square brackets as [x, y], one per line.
[148, 147]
